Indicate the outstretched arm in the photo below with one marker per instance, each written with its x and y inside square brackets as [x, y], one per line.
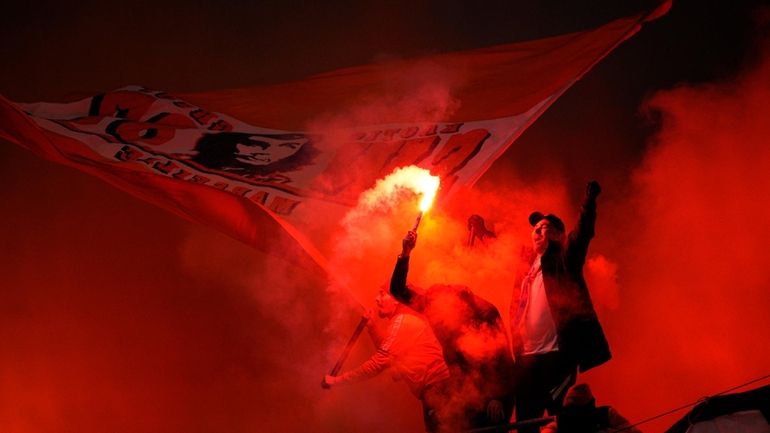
[375, 365]
[372, 367]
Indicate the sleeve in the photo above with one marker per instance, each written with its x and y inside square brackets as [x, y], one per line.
[379, 361]
[580, 236]
[401, 290]
[497, 371]
[500, 381]
[488, 312]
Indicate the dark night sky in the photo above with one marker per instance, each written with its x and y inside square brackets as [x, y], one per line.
[117, 316]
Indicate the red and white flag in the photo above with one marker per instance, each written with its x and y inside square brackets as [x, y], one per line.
[290, 152]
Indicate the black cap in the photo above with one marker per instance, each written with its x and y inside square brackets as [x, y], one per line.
[555, 221]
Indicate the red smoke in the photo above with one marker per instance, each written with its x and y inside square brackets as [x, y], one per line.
[693, 264]
[681, 284]
[116, 316]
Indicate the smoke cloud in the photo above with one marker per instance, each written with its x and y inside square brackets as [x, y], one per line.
[116, 316]
[677, 273]
[693, 280]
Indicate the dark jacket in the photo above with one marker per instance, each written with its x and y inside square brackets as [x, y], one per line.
[580, 335]
[472, 336]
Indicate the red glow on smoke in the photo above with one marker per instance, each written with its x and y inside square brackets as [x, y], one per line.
[694, 289]
[116, 316]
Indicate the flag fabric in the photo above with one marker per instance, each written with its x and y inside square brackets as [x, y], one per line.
[244, 160]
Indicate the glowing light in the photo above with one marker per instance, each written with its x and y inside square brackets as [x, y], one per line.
[413, 178]
[428, 186]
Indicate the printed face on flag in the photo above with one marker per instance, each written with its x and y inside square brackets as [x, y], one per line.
[267, 149]
[249, 155]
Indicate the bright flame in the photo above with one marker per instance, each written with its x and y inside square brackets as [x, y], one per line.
[428, 186]
[416, 179]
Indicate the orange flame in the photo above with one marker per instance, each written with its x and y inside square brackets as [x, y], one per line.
[427, 185]
[416, 179]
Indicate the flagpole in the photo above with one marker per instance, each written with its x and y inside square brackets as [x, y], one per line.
[348, 347]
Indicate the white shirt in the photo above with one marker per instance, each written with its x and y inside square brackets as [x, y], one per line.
[538, 330]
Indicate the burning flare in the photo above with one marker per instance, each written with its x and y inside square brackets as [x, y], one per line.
[428, 186]
[413, 178]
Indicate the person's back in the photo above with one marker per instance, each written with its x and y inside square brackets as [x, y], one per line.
[417, 358]
[472, 335]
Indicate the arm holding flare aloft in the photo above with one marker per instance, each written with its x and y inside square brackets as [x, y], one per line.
[398, 286]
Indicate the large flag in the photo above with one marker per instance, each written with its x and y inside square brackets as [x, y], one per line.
[287, 153]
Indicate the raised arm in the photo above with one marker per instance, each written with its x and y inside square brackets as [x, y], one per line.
[398, 287]
[581, 235]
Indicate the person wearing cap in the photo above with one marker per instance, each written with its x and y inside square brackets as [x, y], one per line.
[580, 415]
[554, 329]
